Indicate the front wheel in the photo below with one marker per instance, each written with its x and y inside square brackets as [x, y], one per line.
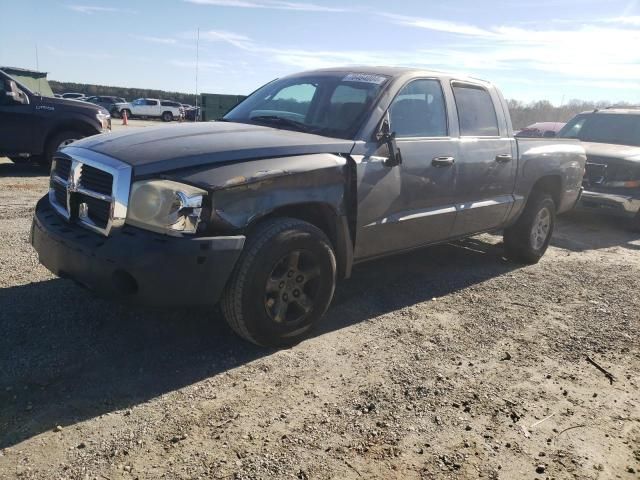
[528, 239]
[283, 283]
[167, 116]
[57, 142]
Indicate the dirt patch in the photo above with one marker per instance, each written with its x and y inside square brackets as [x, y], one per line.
[450, 362]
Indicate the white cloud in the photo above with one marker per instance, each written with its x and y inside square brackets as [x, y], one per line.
[270, 4]
[187, 64]
[91, 9]
[438, 25]
[631, 20]
[581, 51]
[161, 40]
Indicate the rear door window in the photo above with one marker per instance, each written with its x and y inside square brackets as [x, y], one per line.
[476, 112]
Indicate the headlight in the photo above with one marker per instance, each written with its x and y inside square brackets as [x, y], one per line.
[104, 118]
[165, 206]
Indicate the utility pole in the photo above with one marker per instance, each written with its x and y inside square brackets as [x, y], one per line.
[197, 65]
[38, 69]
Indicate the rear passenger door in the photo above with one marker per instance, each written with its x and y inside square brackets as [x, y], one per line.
[487, 160]
[152, 108]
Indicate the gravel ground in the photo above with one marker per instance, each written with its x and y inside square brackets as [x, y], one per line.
[449, 362]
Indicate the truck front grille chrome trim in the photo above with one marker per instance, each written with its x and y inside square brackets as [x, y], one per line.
[82, 205]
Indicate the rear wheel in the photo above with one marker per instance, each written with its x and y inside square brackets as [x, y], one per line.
[167, 116]
[528, 239]
[57, 142]
[283, 283]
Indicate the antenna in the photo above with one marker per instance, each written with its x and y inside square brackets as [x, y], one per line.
[38, 70]
[197, 65]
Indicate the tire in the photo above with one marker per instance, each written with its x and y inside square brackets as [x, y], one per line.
[56, 142]
[528, 239]
[115, 113]
[634, 223]
[167, 116]
[282, 284]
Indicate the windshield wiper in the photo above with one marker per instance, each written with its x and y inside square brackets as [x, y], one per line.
[282, 121]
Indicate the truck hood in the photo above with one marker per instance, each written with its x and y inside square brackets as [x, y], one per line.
[69, 104]
[609, 150]
[154, 150]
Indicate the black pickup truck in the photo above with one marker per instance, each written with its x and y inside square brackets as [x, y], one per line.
[33, 126]
[310, 175]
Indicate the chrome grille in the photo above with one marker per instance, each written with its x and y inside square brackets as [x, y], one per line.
[90, 189]
[96, 180]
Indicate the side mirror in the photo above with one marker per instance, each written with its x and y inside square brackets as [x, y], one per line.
[386, 136]
[15, 93]
[549, 134]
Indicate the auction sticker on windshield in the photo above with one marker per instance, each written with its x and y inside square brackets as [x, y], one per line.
[364, 78]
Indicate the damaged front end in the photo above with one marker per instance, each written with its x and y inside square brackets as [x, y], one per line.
[612, 185]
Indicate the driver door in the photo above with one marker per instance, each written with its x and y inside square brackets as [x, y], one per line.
[16, 123]
[411, 204]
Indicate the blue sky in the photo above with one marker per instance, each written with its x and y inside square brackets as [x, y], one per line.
[533, 49]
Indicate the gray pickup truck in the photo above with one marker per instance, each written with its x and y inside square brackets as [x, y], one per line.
[313, 173]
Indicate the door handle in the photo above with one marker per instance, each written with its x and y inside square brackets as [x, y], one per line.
[504, 158]
[443, 161]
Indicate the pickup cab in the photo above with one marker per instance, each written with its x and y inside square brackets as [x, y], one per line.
[310, 175]
[33, 126]
[167, 110]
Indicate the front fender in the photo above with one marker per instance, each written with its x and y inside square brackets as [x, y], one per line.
[246, 191]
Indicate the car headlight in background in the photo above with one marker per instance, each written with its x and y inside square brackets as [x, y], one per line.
[165, 206]
[105, 120]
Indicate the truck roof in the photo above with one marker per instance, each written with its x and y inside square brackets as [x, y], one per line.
[395, 72]
[622, 109]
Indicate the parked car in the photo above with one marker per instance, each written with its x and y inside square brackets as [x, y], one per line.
[109, 103]
[611, 138]
[33, 126]
[191, 113]
[541, 129]
[152, 107]
[310, 175]
[73, 95]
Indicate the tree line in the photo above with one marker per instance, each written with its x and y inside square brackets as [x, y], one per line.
[124, 92]
[522, 114]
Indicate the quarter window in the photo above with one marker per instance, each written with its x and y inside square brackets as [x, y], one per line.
[476, 113]
[419, 110]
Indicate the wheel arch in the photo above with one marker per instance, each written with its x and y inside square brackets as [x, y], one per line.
[323, 216]
[71, 125]
[551, 184]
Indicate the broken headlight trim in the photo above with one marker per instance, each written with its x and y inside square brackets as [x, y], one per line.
[165, 206]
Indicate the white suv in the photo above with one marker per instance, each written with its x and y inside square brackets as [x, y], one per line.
[152, 107]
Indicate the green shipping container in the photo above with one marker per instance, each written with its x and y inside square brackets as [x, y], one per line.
[214, 105]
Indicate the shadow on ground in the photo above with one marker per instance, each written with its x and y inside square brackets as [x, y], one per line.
[66, 356]
[22, 169]
[580, 231]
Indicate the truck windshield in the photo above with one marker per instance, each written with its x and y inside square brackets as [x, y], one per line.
[620, 129]
[333, 105]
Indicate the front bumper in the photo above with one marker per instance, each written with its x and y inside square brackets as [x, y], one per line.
[134, 265]
[611, 203]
